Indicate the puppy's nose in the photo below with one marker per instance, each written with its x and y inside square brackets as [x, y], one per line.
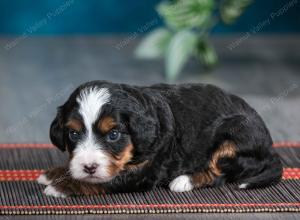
[90, 168]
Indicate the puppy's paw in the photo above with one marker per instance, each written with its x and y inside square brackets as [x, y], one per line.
[44, 180]
[181, 183]
[52, 191]
[244, 186]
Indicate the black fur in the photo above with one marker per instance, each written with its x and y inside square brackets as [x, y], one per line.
[56, 131]
[177, 128]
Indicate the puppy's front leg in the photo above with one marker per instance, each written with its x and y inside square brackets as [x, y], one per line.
[59, 183]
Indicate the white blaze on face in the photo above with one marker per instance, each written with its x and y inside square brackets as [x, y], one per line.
[87, 151]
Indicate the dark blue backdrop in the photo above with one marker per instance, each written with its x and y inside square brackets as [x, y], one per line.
[123, 16]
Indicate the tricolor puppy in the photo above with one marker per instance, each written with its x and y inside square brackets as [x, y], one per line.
[125, 138]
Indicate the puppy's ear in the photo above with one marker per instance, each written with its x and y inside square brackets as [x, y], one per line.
[142, 129]
[57, 132]
[152, 132]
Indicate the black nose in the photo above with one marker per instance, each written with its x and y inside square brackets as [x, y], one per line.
[90, 168]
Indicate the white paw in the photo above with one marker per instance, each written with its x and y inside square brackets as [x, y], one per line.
[181, 183]
[51, 191]
[243, 186]
[42, 179]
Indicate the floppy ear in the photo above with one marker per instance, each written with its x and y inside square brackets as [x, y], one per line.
[154, 131]
[143, 133]
[57, 132]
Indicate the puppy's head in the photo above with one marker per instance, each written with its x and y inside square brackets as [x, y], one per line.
[104, 129]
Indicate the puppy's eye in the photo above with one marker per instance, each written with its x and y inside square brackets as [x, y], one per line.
[74, 135]
[113, 135]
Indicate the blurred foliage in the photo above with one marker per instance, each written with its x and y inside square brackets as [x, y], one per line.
[188, 24]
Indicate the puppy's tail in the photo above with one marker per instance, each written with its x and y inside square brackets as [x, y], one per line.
[267, 172]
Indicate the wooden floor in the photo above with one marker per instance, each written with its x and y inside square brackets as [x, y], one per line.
[38, 73]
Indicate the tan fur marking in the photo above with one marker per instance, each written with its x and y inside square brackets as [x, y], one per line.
[63, 182]
[106, 124]
[74, 124]
[91, 189]
[134, 167]
[207, 177]
[125, 156]
[118, 162]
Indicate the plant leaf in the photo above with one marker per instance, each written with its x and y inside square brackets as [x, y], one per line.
[180, 49]
[184, 14]
[230, 10]
[206, 53]
[154, 45]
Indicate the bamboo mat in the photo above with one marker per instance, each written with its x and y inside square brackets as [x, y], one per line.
[21, 164]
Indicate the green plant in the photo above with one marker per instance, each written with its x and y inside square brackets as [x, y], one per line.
[188, 24]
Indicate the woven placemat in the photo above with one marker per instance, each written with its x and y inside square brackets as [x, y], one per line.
[21, 164]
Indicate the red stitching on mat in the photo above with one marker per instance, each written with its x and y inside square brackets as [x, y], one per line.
[43, 145]
[192, 205]
[32, 175]
[20, 175]
[286, 144]
[26, 145]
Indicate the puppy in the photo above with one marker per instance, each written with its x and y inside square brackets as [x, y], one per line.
[124, 138]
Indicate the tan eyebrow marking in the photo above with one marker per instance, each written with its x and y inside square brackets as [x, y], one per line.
[106, 124]
[74, 124]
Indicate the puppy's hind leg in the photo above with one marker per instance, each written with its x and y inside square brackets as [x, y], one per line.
[256, 163]
[212, 176]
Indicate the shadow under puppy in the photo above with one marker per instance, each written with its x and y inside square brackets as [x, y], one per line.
[124, 138]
